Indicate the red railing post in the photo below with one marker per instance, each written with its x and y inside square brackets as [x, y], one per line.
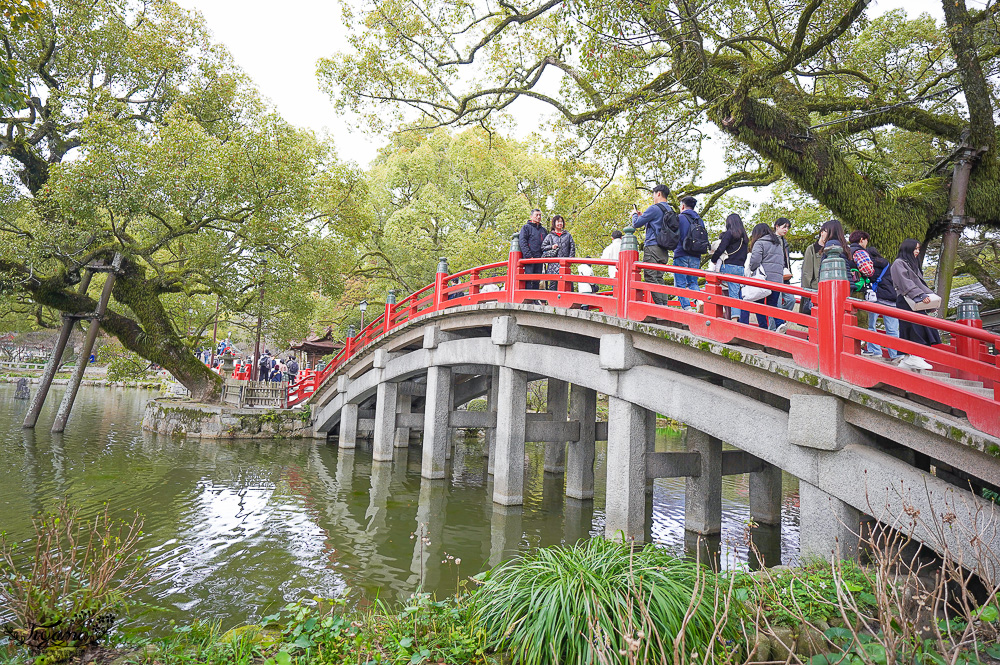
[713, 288]
[565, 269]
[473, 286]
[349, 342]
[968, 315]
[628, 255]
[390, 304]
[834, 290]
[513, 270]
[440, 282]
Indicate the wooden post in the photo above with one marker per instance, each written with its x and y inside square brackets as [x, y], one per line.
[949, 242]
[81, 366]
[53, 364]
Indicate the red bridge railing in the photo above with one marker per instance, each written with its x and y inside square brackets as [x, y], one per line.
[830, 343]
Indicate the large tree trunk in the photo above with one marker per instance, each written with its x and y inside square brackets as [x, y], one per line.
[150, 334]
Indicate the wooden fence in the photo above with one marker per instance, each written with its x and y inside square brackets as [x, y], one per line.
[255, 394]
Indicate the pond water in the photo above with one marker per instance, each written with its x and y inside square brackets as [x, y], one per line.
[240, 528]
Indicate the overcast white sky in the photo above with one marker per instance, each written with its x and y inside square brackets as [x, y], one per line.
[279, 45]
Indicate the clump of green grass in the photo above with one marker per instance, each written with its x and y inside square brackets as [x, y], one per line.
[600, 601]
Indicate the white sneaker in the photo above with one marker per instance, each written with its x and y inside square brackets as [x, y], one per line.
[781, 329]
[914, 363]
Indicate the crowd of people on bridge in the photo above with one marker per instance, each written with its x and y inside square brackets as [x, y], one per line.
[762, 253]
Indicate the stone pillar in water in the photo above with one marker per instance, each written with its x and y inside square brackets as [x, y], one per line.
[508, 468]
[580, 456]
[491, 407]
[828, 527]
[404, 406]
[437, 410]
[703, 494]
[384, 436]
[349, 426]
[626, 481]
[765, 512]
[765, 495]
[556, 398]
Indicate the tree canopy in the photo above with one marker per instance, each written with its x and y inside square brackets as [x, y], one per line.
[140, 137]
[860, 112]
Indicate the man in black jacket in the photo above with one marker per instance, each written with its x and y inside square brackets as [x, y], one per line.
[530, 239]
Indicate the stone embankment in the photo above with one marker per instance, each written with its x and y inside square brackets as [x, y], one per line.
[97, 383]
[179, 417]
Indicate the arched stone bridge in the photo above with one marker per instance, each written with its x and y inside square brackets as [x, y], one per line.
[885, 451]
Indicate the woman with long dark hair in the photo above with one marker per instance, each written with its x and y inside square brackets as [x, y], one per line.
[734, 243]
[767, 253]
[908, 280]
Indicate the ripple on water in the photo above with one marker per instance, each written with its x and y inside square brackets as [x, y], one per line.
[240, 528]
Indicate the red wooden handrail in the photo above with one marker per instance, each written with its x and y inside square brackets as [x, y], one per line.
[830, 342]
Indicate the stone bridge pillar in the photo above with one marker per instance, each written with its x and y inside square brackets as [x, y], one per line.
[626, 486]
[556, 397]
[512, 404]
[828, 527]
[348, 426]
[404, 406]
[385, 421]
[581, 454]
[437, 410]
[491, 407]
[703, 493]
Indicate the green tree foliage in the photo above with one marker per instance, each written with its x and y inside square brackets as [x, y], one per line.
[142, 138]
[859, 112]
[14, 14]
[434, 193]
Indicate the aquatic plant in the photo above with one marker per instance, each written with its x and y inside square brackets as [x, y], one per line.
[600, 599]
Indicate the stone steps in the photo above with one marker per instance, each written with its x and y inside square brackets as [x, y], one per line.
[965, 384]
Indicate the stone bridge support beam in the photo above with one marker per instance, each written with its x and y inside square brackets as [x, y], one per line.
[580, 455]
[626, 482]
[437, 433]
[348, 426]
[384, 436]
[557, 398]
[703, 493]
[512, 404]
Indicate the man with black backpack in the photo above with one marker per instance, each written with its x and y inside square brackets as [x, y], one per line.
[662, 230]
[694, 243]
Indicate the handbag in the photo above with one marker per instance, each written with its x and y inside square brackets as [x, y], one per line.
[920, 305]
[756, 292]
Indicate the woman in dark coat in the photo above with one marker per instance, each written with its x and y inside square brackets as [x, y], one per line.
[909, 282]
